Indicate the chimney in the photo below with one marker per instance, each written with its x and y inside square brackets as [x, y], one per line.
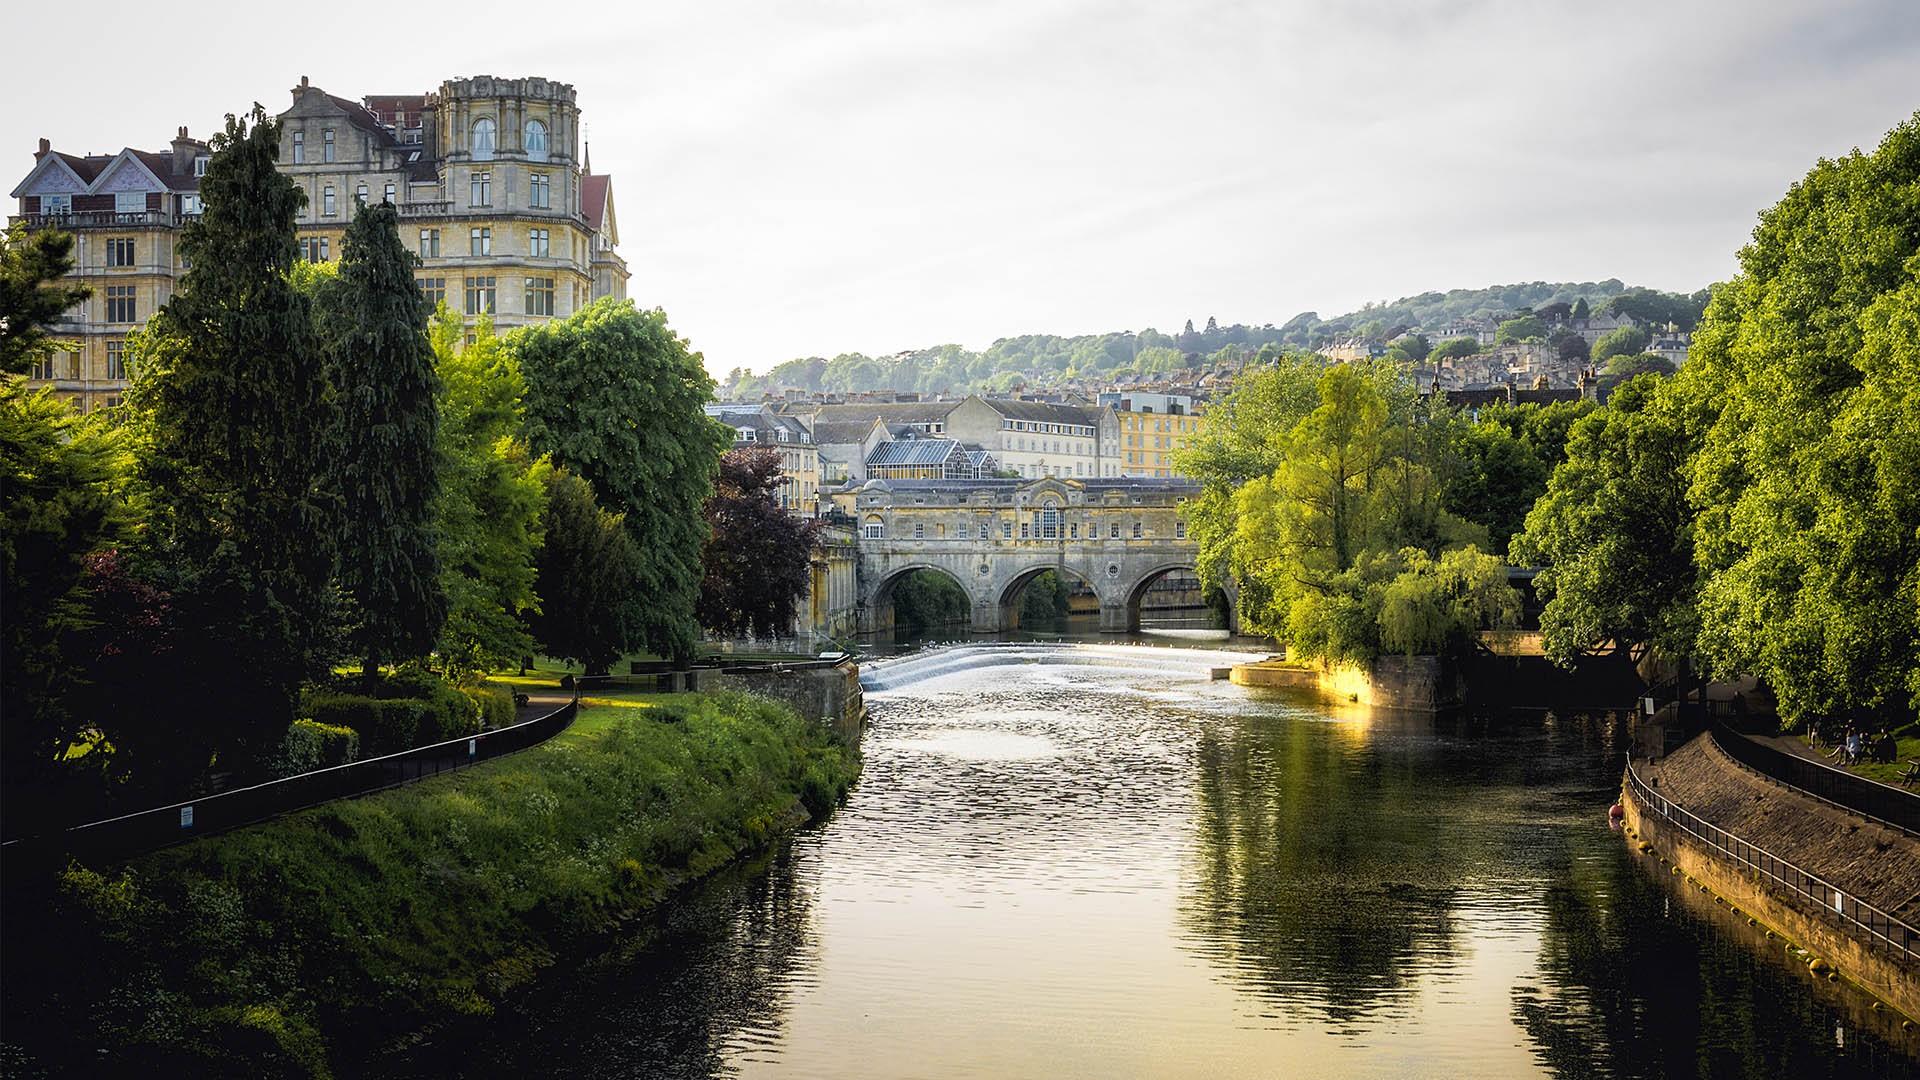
[184, 151]
[45, 149]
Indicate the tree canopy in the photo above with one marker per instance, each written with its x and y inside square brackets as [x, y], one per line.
[759, 558]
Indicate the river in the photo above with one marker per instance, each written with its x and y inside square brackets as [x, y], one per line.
[1115, 867]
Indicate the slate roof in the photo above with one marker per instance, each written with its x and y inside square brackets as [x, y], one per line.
[593, 199]
[1044, 412]
[841, 431]
[893, 412]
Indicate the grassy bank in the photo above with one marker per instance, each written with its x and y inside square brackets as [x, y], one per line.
[296, 947]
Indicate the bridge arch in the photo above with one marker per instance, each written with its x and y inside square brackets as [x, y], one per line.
[1012, 589]
[1137, 592]
[879, 601]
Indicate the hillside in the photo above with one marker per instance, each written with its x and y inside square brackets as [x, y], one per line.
[1048, 359]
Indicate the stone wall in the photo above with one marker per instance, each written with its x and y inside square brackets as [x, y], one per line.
[1413, 683]
[829, 694]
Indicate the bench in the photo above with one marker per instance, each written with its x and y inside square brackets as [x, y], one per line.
[1912, 775]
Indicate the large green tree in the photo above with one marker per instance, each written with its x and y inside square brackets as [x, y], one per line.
[1805, 378]
[34, 293]
[492, 494]
[759, 558]
[232, 412]
[386, 467]
[588, 573]
[615, 396]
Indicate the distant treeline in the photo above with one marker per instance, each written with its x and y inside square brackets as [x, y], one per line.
[1047, 359]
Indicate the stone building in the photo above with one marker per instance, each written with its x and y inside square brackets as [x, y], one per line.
[799, 458]
[1152, 427]
[125, 211]
[489, 175]
[1028, 438]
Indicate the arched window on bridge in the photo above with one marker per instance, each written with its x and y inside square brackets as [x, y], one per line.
[873, 528]
[1050, 522]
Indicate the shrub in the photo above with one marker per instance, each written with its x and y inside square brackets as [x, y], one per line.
[311, 745]
[410, 708]
[494, 702]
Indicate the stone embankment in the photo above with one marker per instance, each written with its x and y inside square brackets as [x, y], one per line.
[1857, 861]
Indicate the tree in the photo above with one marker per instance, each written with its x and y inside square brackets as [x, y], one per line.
[1625, 341]
[1413, 347]
[1626, 366]
[615, 396]
[232, 412]
[1804, 378]
[1454, 347]
[1613, 535]
[34, 294]
[1572, 348]
[1580, 309]
[1524, 328]
[492, 494]
[759, 558]
[590, 577]
[387, 465]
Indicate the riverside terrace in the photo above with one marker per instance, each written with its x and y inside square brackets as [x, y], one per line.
[992, 536]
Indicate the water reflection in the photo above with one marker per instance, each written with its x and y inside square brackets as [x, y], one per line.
[1077, 871]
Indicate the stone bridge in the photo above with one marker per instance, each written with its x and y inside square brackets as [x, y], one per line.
[1117, 536]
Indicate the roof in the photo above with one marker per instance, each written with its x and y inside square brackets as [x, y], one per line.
[90, 168]
[893, 412]
[1044, 412]
[841, 431]
[915, 452]
[389, 108]
[593, 199]
[359, 117]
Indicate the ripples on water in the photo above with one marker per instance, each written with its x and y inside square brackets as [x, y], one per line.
[1103, 871]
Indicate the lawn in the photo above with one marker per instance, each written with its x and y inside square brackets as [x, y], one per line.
[1908, 739]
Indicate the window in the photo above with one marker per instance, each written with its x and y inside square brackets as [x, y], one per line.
[326, 150]
[120, 252]
[314, 248]
[117, 359]
[326, 201]
[1180, 529]
[479, 295]
[200, 166]
[536, 142]
[538, 242]
[919, 531]
[540, 297]
[1050, 523]
[429, 243]
[360, 195]
[1026, 530]
[1073, 530]
[983, 530]
[130, 202]
[1115, 533]
[873, 528]
[120, 307]
[190, 204]
[299, 148]
[388, 194]
[1139, 530]
[483, 139]
[479, 241]
[480, 189]
[1006, 530]
[541, 196]
[433, 290]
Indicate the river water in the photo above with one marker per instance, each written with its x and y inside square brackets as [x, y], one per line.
[1122, 869]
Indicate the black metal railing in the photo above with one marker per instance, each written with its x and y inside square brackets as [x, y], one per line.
[161, 826]
[99, 219]
[1875, 928]
[1890, 805]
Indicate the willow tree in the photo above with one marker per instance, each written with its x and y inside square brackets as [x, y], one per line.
[233, 414]
[616, 397]
[386, 464]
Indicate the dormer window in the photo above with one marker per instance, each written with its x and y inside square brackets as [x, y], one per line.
[536, 141]
[200, 165]
[483, 139]
[746, 435]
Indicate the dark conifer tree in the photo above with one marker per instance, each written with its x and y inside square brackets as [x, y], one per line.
[386, 471]
[231, 401]
[759, 558]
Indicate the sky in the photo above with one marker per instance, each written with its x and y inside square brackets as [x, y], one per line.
[810, 177]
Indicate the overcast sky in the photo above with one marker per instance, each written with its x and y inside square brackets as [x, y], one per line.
[802, 178]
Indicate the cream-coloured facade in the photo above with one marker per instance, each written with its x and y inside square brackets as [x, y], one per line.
[489, 175]
[1152, 427]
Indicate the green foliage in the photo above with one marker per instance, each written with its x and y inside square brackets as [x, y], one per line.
[1652, 308]
[1572, 348]
[759, 558]
[1401, 601]
[311, 745]
[1613, 535]
[1455, 347]
[1624, 366]
[64, 479]
[386, 467]
[616, 397]
[307, 945]
[1804, 384]
[1044, 599]
[1412, 348]
[926, 598]
[1524, 328]
[494, 703]
[413, 708]
[588, 576]
[232, 412]
[34, 294]
[492, 495]
[1626, 341]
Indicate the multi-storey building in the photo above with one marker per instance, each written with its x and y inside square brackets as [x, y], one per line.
[1152, 427]
[125, 211]
[490, 177]
[1026, 438]
[765, 429]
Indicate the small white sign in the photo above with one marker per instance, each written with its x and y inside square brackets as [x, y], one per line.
[186, 817]
[1839, 902]
[473, 747]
